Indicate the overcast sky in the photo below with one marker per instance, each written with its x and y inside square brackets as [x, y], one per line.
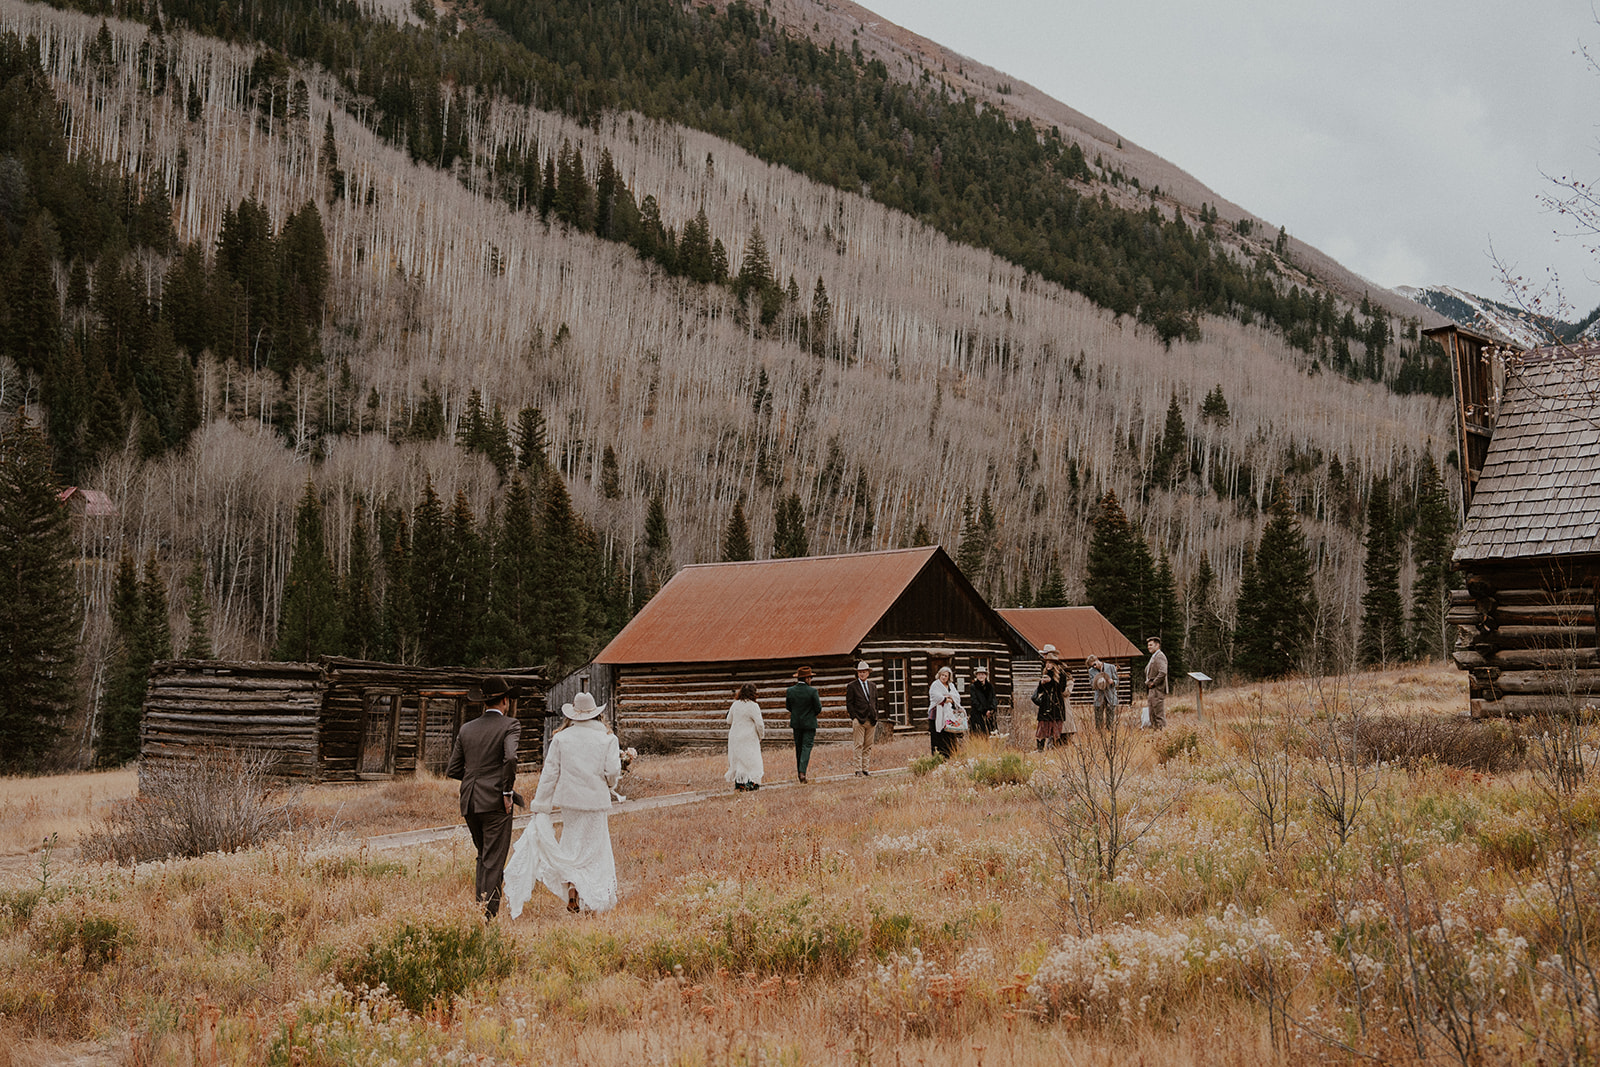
[1403, 138]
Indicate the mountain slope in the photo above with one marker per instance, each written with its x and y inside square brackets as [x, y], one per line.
[949, 374]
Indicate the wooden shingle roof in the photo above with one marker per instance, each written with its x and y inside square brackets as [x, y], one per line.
[1539, 494]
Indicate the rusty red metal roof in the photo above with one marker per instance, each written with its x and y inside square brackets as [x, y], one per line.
[768, 609]
[1076, 632]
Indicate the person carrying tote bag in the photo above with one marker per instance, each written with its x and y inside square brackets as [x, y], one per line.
[944, 700]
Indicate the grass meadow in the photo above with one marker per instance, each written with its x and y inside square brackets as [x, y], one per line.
[1321, 871]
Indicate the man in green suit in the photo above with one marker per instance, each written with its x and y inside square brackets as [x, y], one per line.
[804, 706]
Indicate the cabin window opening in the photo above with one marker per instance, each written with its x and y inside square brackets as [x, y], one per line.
[894, 690]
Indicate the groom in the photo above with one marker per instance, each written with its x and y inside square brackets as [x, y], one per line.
[484, 758]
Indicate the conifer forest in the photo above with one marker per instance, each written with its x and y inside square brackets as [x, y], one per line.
[446, 335]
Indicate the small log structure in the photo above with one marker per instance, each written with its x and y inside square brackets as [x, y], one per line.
[1529, 551]
[336, 720]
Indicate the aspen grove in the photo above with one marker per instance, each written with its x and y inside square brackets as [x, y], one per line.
[904, 377]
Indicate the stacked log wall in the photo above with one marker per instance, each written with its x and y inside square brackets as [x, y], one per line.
[195, 706]
[309, 716]
[687, 704]
[1527, 638]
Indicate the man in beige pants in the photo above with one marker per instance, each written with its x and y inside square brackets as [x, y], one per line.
[861, 704]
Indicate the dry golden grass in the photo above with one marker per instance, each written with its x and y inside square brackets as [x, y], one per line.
[899, 920]
[68, 805]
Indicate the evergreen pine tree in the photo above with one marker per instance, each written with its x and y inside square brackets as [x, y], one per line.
[1382, 615]
[329, 158]
[309, 624]
[359, 594]
[1277, 607]
[1172, 455]
[1112, 579]
[123, 702]
[39, 604]
[1207, 643]
[970, 551]
[610, 476]
[694, 249]
[563, 595]
[657, 546]
[397, 633]
[736, 545]
[532, 445]
[497, 442]
[1215, 407]
[1053, 589]
[1164, 617]
[821, 318]
[470, 429]
[197, 645]
[428, 563]
[157, 615]
[514, 615]
[463, 587]
[1431, 548]
[789, 529]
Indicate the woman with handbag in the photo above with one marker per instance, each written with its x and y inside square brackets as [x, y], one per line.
[1053, 699]
[947, 720]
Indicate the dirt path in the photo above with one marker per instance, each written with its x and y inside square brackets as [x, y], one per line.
[408, 838]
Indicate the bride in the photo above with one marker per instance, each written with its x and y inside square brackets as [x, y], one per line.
[581, 767]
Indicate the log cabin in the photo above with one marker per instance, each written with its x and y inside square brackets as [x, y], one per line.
[713, 627]
[1077, 633]
[1528, 430]
[336, 720]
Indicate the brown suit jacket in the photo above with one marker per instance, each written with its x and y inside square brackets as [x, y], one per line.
[484, 758]
[861, 701]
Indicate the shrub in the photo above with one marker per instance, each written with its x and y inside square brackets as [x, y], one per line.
[1180, 742]
[751, 930]
[1491, 746]
[87, 938]
[923, 765]
[223, 801]
[652, 742]
[1009, 769]
[424, 964]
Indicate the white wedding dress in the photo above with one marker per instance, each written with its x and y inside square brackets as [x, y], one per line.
[581, 767]
[582, 857]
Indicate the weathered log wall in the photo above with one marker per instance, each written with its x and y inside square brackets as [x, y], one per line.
[687, 704]
[337, 720]
[1527, 638]
[193, 706]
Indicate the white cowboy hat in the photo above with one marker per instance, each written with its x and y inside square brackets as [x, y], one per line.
[1048, 650]
[582, 708]
[863, 666]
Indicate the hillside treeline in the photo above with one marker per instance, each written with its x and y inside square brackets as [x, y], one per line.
[117, 348]
[946, 377]
[836, 116]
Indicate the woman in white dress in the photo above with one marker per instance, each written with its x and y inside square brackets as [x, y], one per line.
[942, 696]
[580, 769]
[745, 731]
